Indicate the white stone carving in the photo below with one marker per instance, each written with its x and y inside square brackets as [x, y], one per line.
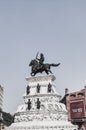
[52, 114]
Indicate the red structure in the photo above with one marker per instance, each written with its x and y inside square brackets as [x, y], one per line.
[76, 106]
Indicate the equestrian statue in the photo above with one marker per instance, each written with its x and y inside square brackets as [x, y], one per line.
[38, 65]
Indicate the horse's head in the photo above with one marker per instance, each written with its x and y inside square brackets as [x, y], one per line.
[33, 62]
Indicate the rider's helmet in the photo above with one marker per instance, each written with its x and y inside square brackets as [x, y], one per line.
[41, 55]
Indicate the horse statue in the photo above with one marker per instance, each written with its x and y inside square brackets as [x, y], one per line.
[39, 68]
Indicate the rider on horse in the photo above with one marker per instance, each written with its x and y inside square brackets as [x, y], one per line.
[38, 65]
[41, 59]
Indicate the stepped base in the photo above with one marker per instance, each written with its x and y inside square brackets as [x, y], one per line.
[51, 115]
[42, 125]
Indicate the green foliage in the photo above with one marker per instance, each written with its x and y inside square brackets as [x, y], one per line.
[8, 119]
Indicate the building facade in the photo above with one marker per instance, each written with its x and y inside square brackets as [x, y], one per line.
[1, 97]
[1, 104]
[76, 105]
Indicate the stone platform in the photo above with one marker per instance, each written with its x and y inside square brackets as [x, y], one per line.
[41, 109]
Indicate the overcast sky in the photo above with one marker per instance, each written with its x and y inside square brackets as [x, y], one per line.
[55, 28]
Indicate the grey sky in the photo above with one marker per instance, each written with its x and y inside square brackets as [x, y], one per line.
[54, 27]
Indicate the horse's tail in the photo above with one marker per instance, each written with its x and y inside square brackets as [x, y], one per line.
[55, 65]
